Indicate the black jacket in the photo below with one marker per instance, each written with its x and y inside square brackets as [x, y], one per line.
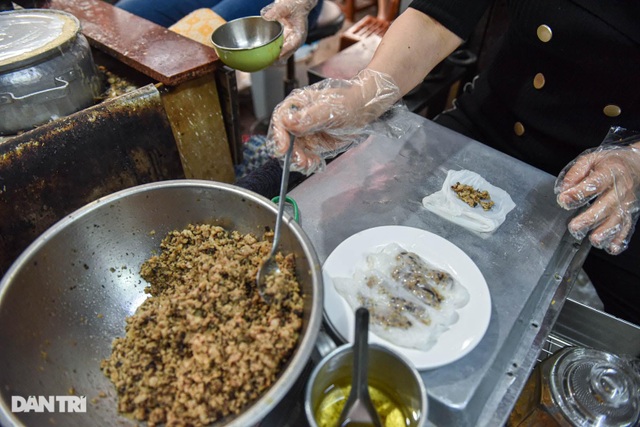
[566, 71]
[545, 102]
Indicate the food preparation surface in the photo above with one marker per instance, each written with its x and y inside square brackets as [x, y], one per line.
[528, 263]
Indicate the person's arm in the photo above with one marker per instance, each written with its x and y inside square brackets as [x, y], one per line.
[326, 116]
[414, 44]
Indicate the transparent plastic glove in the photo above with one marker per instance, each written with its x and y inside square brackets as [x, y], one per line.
[610, 176]
[332, 115]
[292, 14]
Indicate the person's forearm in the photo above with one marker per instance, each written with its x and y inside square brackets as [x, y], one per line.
[414, 44]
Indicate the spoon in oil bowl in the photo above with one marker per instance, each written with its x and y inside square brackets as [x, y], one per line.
[269, 266]
[359, 409]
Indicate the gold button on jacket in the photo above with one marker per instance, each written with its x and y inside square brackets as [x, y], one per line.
[538, 81]
[612, 110]
[544, 33]
[518, 128]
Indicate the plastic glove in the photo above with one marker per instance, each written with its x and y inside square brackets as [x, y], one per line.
[292, 14]
[331, 115]
[610, 174]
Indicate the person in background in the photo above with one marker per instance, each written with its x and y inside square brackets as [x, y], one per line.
[297, 16]
[565, 74]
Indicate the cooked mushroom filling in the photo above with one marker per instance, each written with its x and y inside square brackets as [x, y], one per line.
[473, 197]
[204, 344]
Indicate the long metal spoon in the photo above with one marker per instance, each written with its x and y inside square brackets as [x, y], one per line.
[269, 266]
[359, 409]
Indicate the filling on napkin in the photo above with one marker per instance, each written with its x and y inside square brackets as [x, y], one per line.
[469, 200]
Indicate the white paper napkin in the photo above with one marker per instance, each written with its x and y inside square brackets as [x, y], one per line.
[446, 203]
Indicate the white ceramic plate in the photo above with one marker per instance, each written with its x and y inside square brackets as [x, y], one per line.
[454, 343]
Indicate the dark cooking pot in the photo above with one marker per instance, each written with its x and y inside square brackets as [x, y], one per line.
[67, 296]
[46, 68]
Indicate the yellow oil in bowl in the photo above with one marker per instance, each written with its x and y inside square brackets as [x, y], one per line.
[392, 414]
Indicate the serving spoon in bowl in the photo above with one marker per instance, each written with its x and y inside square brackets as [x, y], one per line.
[269, 266]
[359, 409]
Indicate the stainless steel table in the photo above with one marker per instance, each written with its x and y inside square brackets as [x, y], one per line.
[529, 263]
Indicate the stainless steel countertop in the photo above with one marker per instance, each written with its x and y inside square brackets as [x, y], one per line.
[529, 263]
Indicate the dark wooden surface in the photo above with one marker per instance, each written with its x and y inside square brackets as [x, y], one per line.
[163, 55]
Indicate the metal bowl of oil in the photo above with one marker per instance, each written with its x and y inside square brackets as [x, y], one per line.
[396, 388]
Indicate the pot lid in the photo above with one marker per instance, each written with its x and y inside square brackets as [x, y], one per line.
[595, 388]
[28, 36]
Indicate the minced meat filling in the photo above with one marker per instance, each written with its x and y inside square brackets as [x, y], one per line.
[204, 344]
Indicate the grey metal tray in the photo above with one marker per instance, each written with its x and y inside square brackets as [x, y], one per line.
[529, 263]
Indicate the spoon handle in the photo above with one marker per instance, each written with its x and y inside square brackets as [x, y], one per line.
[361, 353]
[283, 193]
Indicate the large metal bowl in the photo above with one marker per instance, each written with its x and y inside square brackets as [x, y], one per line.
[248, 44]
[67, 296]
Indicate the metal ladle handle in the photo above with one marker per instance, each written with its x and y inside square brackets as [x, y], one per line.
[361, 352]
[283, 193]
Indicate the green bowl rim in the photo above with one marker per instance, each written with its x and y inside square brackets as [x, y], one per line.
[245, 48]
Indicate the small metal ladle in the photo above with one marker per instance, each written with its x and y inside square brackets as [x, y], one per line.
[269, 265]
[359, 409]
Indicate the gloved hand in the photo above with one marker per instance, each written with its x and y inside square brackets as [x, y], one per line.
[610, 174]
[331, 115]
[292, 14]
